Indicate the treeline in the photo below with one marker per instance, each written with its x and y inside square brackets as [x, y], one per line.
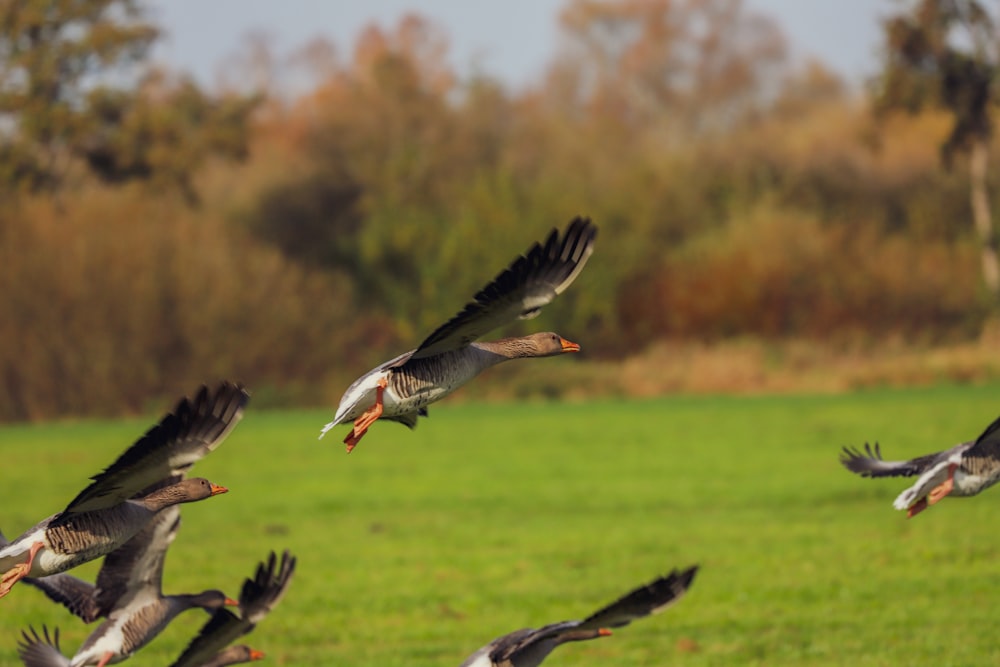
[737, 194]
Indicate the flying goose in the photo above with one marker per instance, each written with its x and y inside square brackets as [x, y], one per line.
[127, 495]
[128, 593]
[43, 651]
[529, 648]
[257, 598]
[964, 470]
[401, 388]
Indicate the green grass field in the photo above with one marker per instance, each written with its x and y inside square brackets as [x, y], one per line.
[421, 546]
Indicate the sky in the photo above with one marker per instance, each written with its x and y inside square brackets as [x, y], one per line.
[512, 40]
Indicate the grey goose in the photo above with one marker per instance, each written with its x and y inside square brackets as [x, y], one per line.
[963, 470]
[121, 500]
[529, 647]
[401, 389]
[128, 592]
[258, 597]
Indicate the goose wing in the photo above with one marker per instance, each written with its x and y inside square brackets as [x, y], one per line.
[871, 464]
[519, 292]
[136, 568]
[75, 594]
[41, 651]
[257, 598]
[651, 598]
[184, 436]
[985, 451]
[501, 648]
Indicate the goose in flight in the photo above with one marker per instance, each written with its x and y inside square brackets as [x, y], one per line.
[529, 647]
[963, 470]
[401, 389]
[124, 498]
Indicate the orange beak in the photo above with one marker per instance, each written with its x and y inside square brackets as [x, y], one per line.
[604, 632]
[216, 489]
[231, 602]
[568, 346]
[256, 655]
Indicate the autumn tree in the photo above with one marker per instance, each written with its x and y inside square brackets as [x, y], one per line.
[73, 90]
[945, 54]
[693, 65]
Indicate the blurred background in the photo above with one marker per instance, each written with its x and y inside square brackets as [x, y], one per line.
[791, 196]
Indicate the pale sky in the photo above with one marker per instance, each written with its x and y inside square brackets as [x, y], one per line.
[512, 40]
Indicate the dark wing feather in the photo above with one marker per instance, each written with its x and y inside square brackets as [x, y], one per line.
[74, 594]
[502, 648]
[181, 438]
[987, 445]
[871, 463]
[137, 564]
[223, 627]
[519, 291]
[38, 651]
[257, 598]
[652, 598]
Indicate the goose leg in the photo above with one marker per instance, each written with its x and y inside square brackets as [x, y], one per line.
[916, 508]
[105, 659]
[362, 423]
[944, 488]
[19, 571]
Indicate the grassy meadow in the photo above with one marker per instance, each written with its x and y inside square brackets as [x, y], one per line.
[421, 546]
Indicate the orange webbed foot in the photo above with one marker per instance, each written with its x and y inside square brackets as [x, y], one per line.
[916, 508]
[19, 571]
[944, 488]
[369, 417]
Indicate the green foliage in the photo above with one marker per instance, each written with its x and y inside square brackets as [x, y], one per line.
[943, 53]
[59, 66]
[126, 299]
[421, 546]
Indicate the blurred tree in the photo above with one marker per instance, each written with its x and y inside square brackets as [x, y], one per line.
[69, 71]
[946, 53]
[701, 64]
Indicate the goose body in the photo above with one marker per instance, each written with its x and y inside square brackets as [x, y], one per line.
[258, 597]
[121, 500]
[128, 592]
[65, 540]
[963, 470]
[529, 647]
[402, 388]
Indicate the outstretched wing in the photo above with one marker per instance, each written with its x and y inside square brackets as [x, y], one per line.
[136, 567]
[987, 445]
[652, 598]
[519, 291]
[871, 463]
[531, 645]
[41, 651]
[257, 599]
[171, 447]
[75, 594]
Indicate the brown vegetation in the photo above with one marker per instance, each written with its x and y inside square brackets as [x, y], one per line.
[758, 231]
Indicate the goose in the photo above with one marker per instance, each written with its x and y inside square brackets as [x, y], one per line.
[257, 598]
[128, 593]
[43, 651]
[529, 647]
[963, 470]
[401, 388]
[121, 500]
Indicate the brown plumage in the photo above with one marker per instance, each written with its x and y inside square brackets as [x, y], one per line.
[529, 647]
[123, 498]
[257, 598]
[401, 388]
[963, 470]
